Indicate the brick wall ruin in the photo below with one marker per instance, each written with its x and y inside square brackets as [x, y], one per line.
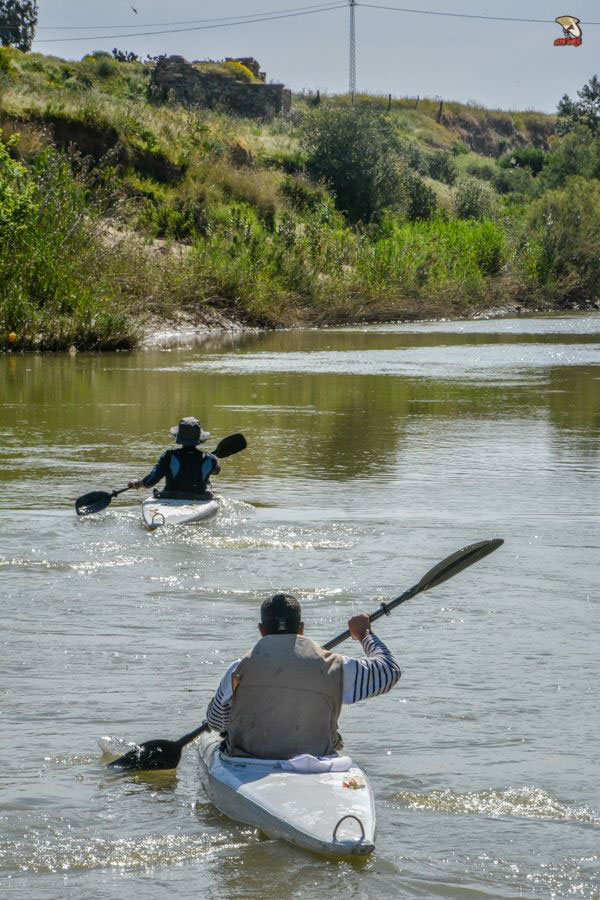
[177, 81]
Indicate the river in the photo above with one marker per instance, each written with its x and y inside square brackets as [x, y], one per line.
[373, 452]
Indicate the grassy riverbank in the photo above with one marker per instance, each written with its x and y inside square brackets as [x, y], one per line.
[115, 212]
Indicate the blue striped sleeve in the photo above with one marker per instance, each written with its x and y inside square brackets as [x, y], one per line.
[219, 708]
[371, 676]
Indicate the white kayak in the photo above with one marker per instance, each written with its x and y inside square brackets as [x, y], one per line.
[157, 512]
[329, 812]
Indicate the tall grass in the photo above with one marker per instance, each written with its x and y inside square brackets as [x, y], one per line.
[58, 286]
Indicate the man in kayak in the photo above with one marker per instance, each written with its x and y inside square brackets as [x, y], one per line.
[186, 470]
[284, 697]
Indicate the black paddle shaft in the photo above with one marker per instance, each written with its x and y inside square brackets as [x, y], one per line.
[445, 569]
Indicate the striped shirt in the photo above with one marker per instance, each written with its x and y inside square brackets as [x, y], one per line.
[375, 674]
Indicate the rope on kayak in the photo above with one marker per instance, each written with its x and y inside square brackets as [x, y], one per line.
[343, 819]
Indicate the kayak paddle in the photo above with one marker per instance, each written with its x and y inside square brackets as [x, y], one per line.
[164, 754]
[156, 754]
[445, 569]
[96, 501]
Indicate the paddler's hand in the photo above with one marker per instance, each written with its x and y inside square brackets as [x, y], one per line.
[359, 626]
[135, 484]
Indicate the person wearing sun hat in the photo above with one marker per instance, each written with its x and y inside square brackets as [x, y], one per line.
[186, 469]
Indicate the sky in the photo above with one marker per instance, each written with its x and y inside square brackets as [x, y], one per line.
[499, 64]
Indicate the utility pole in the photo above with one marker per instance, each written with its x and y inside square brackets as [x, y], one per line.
[352, 85]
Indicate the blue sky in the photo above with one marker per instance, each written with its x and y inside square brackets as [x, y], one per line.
[499, 64]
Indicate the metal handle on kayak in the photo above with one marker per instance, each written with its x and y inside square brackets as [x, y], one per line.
[356, 819]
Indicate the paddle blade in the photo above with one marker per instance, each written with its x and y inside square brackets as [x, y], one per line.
[230, 445]
[150, 755]
[93, 502]
[455, 563]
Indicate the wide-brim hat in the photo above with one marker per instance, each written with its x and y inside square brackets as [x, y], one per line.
[189, 432]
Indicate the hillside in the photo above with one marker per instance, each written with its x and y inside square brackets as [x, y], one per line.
[117, 212]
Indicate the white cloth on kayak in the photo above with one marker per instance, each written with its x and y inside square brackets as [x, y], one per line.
[306, 764]
[362, 678]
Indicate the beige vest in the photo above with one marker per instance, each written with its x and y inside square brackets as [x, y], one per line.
[288, 699]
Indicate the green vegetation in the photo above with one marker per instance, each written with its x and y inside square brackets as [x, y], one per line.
[18, 19]
[117, 214]
[585, 111]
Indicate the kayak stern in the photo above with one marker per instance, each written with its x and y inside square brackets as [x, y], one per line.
[330, 813]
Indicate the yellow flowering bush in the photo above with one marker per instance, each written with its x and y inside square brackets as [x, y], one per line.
[241, 71]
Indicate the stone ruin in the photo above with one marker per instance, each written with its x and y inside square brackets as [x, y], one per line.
[175, 80]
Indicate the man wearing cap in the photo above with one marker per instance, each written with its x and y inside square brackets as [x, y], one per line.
[284, 697]
[186, 470]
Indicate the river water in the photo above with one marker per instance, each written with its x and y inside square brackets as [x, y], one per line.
[372, 454]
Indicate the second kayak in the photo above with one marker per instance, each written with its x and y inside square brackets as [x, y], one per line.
[157, 511]
[328, 812]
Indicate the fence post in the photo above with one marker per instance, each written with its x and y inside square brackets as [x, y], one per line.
[389, 102]
[417, 103]
[438, 118]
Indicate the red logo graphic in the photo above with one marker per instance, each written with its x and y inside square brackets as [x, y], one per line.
[571, 31]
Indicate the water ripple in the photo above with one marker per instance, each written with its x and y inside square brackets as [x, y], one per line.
[525, 802]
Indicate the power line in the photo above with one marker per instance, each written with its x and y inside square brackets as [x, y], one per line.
[100, 37]
[431, 12]
[168, 24]
[266, 16]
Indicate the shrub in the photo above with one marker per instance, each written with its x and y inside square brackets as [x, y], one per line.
[458, 148]
[564, 230]
[472, 199]
[97, 54]
[107, 68]
[528, 157]
[6, 64]
[442, 167]
[483, 171]
[412, 156]
[53, 280]
[356, 151]
[241, 72]
[421, 202]
[513, 181]
[292, 162]
[577, 153]
[125, 55]
[302, 194]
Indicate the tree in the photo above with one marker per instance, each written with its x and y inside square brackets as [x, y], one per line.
[18, 19]
[357, 153]
[585, 111]
[125, 55]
